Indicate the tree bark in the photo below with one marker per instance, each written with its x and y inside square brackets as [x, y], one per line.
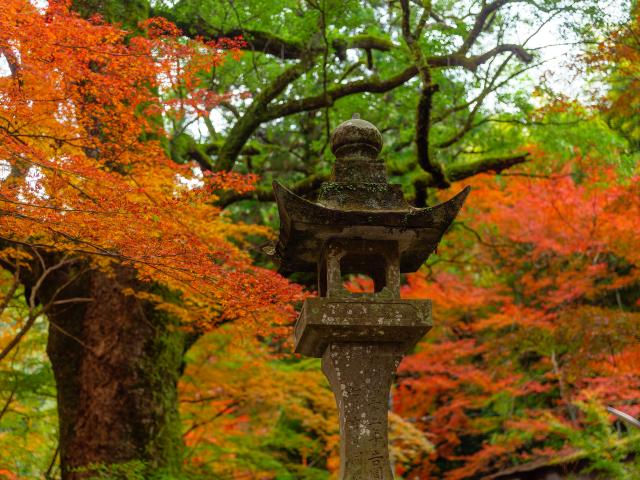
[116, 363]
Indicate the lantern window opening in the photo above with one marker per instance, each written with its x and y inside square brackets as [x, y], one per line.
[365, 269]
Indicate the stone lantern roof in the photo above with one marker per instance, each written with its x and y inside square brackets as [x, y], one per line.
[358, 202]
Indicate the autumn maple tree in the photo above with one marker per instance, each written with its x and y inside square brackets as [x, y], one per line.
[537, 289]
[120, 247]
[538, 322]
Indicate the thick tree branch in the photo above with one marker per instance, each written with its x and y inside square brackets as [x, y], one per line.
[457, 172]
[257, 41]
[262, 110]
[364, 42]
[472, 63]
[375, 85]
[202, 153]
[272, 44]
[423, 111]
[496, 164]
[256, 114]
[480, 23]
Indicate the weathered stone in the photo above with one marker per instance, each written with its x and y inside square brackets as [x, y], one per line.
[360, 225]
[325, 321]
[306, 226]
[360, 375]
[374, 196]
[356, 135]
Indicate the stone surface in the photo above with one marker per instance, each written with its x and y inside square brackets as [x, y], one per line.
[356, 133]
[306, 226]
[360, 375]
[356, 144]
[325, 321]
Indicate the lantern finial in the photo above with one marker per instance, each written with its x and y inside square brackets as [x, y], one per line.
[356, 137]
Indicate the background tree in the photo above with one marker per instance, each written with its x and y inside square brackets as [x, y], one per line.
[617, 60]
[538, 326]
[308, 66]
[103, 233]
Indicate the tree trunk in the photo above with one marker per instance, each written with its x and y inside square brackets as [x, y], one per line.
[116, 363]
[116, 360]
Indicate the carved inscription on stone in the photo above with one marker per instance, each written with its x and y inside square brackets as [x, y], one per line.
[360, 375]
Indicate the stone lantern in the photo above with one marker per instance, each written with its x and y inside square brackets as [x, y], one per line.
[360, 224]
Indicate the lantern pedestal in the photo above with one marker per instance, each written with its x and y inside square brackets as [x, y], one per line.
[323, 321]
[361, 342]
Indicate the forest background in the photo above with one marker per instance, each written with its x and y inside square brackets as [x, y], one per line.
[144, 332]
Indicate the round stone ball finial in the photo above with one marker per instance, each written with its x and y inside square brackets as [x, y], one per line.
[359, 136]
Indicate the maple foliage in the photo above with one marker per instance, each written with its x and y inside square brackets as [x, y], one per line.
[250, 412]
[539, 315]
[82, 131]
[86, 117]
